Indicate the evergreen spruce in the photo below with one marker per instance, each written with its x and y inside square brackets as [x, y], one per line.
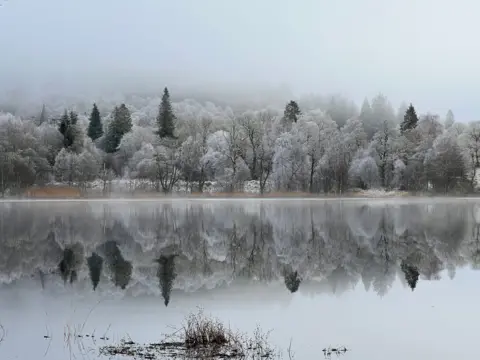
[43, 116]
[292, 280]
[166, 117]
[118, 266]
[95, 128]
[449, 119]
[120, 125]
[95, 266]
[64, 122]
[411, 274]
[166, 275]
[67, 127]
[410, 120]
[292, 112]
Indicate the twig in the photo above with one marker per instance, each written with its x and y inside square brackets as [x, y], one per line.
[3, 333]
[291, 354]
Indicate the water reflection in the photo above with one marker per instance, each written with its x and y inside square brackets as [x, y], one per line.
[154, 248]
[95, 266]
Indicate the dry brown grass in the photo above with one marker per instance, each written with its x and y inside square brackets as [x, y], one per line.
[200, 337]
[53, 192]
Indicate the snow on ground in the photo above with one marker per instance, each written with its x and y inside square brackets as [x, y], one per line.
[381, 193]
[129, 185]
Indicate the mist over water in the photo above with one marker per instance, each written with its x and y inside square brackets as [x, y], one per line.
[352, 273]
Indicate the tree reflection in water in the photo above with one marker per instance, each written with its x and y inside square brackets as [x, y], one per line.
[331, 246]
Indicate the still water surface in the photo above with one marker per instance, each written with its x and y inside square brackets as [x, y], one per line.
[386, 279]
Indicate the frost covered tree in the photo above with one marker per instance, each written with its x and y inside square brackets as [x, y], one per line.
[445, 165]
[449, 119]
[133, 141]
[166, 117]
[363, 171]
[470, 142]
[71, 167]
[340, 109]
[317, 129]
[95, 127]
[366, 117]
[354, 135]
[383, 144]
[375, 113]
[224, 155]
[66, 166]
[23, 154]
[158, 164]
[252, 126]
[289, 162]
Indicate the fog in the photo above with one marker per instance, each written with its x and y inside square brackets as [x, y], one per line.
[417, 51]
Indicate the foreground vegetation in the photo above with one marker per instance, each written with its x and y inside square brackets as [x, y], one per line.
[201, 337]
[313, 145]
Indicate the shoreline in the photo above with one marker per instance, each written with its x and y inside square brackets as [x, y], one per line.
[238, 198]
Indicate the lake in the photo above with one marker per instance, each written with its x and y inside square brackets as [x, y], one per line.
[392, 279]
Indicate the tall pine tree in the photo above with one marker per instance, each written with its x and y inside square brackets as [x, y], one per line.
[95, 266]
[166, 275]
[120, 125]
[95, 128]
[292, 112]
[410, 120]
[67, 127]
[43, 116]
[411, 274]
[166, 117]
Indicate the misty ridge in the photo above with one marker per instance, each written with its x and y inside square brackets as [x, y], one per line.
[164, 249]
[312, 145]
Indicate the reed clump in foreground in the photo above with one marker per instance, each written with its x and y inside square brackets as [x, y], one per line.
[200, 337]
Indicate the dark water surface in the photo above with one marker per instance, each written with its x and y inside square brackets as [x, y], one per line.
[386, 279]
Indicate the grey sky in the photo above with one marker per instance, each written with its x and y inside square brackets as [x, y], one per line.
[415, 50]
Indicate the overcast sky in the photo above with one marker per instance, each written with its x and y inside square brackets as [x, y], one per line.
[422, 51]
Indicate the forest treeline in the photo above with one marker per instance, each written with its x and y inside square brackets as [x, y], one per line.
[142, 249]
[310, 145]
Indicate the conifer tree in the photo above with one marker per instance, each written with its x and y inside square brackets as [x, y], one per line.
[292, 280]
[95, 128]
[120, 125]
[410, 120]
[166, 275]
[292, 112]
[449, 119]
[166, 117]
[43, 116]
[64, 122]
[95, 266]
[67, 127]
[411, 274]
